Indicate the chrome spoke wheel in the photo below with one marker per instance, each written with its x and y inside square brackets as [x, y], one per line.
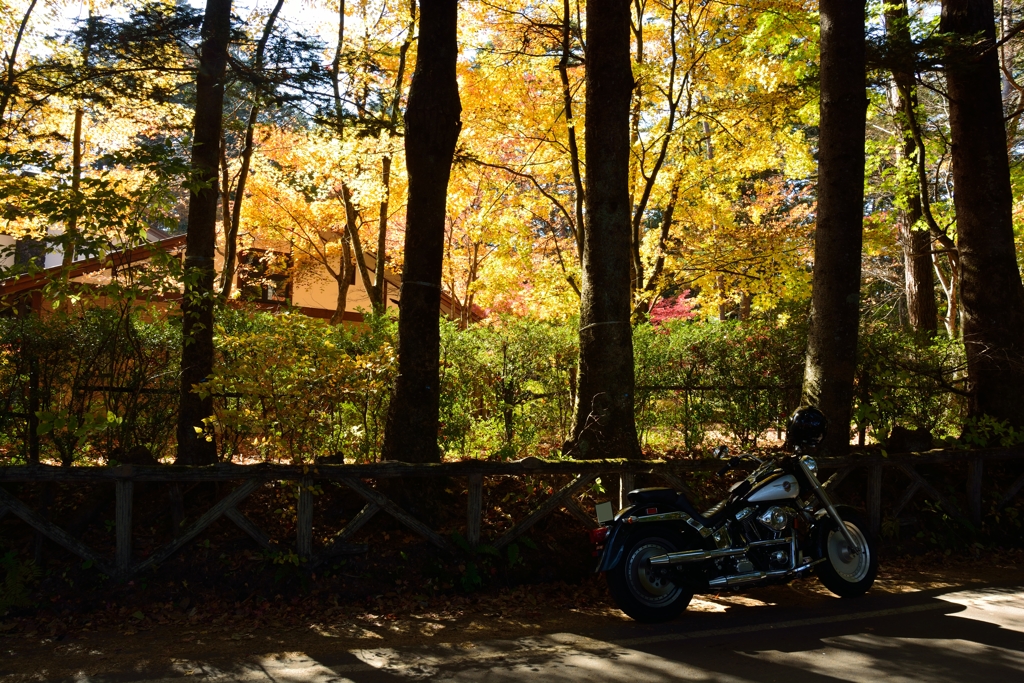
[852, 564]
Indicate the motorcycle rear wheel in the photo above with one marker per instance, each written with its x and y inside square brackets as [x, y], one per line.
[848, 575]
[642, 594]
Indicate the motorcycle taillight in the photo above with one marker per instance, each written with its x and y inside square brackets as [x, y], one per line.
[598, 535]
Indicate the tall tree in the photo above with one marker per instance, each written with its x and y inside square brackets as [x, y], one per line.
[432, 125]
[197, 303]
[389, 123]
[10, 76]
[917, 244]
[71, 229]
[835, 299]
[991, 289]
[604, 421]
[235, 213]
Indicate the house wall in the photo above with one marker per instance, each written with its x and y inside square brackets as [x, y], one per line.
[317, 289]
[6, 251]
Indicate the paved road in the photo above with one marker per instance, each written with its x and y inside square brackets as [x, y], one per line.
[960, 636]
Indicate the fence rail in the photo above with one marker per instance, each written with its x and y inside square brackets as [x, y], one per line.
[354, 477]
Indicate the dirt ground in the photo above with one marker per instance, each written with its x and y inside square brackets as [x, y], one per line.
[166, 637]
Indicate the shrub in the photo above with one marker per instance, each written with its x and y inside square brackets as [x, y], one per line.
[903, 380]
[506, 386]
[68, 361]
[290, 387]
[739, 378]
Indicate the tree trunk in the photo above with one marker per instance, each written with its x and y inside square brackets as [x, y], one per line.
[352, 231]
[743, 310]
[992, 296]
[8, 88]
[835, 299]
[197, 302]
[604, 422]
[343, 278]
[666, 227]
[650, 177]
[71, 238]
[382, 238]
[433, 121]
[379, 278]
[917, 263]
[231, 235]
[723, 302]
[570, 122]
[951, 288]
[919, 279]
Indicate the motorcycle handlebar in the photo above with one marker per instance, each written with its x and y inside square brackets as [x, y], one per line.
[736, 461]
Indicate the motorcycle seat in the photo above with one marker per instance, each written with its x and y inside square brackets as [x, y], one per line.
[667, 496]
[652, 496]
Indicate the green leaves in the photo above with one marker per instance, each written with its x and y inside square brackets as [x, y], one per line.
[486, 558]
[17, 578]
[905, 381]
[294, 388]
[79, 426]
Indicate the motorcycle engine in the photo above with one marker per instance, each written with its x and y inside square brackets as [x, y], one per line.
[768, 523]
[778, 559]
[775, 518]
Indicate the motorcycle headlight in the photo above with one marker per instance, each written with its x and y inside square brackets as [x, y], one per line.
[811, 464]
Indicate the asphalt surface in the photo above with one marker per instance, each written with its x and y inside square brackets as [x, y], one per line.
[942, 636]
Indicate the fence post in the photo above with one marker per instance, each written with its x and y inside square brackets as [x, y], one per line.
[474, 509]
[304, 531]
[975, 469]
[875, 498]
[33, 408]
[625, 486]
[124, 489]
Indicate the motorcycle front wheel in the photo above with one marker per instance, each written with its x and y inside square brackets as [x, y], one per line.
[645, 594]
[846, 573]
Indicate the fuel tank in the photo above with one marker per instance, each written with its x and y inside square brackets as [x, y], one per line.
[779, 488]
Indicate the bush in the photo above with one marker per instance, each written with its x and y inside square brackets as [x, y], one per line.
[505, 387]
[737, 378]
[71, 360]
[290, 387]
[904, 380]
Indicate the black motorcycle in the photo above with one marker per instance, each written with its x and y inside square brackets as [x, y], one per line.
[776, 525]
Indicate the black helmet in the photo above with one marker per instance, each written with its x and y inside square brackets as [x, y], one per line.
[806, 428]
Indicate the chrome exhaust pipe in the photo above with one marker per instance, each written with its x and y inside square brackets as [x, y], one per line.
[694, 556]
[737, 579]
[701, 555]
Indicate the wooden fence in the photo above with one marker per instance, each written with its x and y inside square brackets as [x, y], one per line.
[357, 478]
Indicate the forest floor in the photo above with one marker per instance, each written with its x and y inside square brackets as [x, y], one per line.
[185, 638]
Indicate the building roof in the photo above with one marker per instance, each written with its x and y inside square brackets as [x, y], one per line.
[111, 260]
[126, 257]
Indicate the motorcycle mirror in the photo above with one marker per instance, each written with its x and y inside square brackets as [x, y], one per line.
[722, 452]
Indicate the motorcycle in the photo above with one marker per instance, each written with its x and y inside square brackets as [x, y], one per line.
[776, 525]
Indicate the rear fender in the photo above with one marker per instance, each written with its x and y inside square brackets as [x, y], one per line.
[615, 544]
[622, 534]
